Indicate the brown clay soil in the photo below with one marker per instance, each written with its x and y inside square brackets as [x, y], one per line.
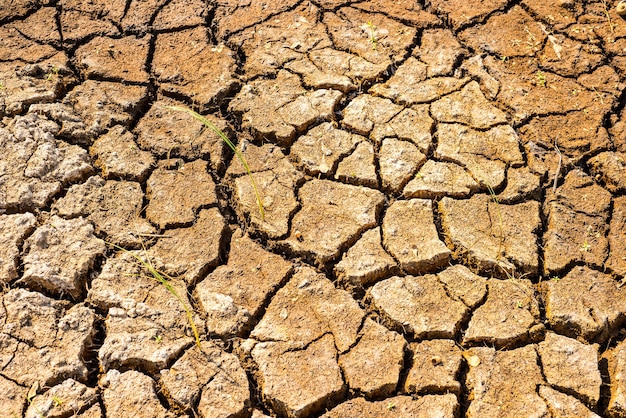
[444, 185]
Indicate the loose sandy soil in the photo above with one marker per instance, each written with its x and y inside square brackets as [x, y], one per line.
[444, 185]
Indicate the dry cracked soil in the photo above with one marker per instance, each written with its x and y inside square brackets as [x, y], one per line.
[444, 186]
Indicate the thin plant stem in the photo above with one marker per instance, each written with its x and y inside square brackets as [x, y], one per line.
[230, 144]
[558, 167]
[162, 278]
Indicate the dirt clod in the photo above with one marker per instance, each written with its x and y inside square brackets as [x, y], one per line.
[60, 255]
[435, 369]
[131, 394]
[367, 368]
[176, 194]
[209, 378]
[414, 304]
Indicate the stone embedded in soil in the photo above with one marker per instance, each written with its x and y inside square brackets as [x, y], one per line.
[571, 367]
[131, 394]
[117, 155]
[493, 236]
[298, 383]
[103, 104]
[410, 85]
[306, 308]
[468, 107]
[437, 179]
[441, 50]
[176, 194]
[509, 316]
[234, 294]
[190, 252]
[617, 237]
[37, 330]
[561, 405]
[379, 118]
[577, 225]
[485, 154]
[617, 372]
[276, 179]
[359, 168]
[464, 285]
[610, 168]
[210, 379]
[512, 34]
[169, 133]
[13, 230]
[34, 165]
[372, 36]
[186, 63]
[444, 406]
[64, 399]
[60, 254]
[521, 185]
[146, 324]
[279, 108]
[320, 150]
[503, 384]
[418, 305]
[122, 59]
[82, 19]
[372, 367]
[435, 368]
[353, 210]
[398, 161]
[113, 206]
[366, 261]
[410, 236]
[585, 304]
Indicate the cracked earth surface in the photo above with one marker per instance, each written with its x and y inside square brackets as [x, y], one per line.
[444, 185]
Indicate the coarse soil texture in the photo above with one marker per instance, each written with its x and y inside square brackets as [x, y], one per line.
[444, 194]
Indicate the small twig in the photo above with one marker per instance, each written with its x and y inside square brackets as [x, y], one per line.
[608, 17]
[558, 167]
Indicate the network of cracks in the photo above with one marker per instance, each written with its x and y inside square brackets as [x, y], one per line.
[444, 210]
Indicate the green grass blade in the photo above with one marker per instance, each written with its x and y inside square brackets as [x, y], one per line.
[230, 144]
[158, 276]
